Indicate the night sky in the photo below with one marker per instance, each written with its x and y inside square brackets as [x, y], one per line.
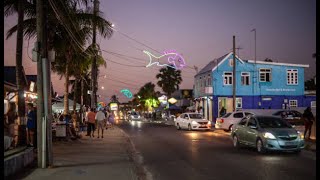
[200, 30]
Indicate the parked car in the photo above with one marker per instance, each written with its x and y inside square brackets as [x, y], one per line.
[134, 116]
[192, 121]
[291, 116]
[228, 120]
[267, 133]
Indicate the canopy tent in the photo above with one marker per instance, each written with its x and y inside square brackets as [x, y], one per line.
[59, 106]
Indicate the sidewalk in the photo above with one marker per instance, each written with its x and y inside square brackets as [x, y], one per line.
[92, 158]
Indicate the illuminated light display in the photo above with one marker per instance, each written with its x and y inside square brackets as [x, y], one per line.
[101, 104]
[175, 60]
[127, 93]
[172, 100]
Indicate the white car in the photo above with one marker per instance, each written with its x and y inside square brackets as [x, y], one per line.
[228, 120]
[192, 121]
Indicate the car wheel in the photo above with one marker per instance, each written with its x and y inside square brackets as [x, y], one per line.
[178, 126]
[189, 127]
[260, 147]
[235, 141]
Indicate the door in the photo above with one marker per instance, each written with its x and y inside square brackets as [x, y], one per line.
[235, 119]
[186, 120]
[251, 134]
[241, 129]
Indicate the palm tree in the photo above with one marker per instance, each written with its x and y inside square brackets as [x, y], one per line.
[69, 29]
[147, 96]
[169, 80]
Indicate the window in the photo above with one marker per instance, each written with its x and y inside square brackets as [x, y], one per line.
[209, 80]
[186, 116]
[238, 115]
[238, 103]
[292, 76]
[313, 104]
[243, 121]
[245, 78]
[265, 75]
[200, 81]
[227, 78]
[293, 103]
[252, 122]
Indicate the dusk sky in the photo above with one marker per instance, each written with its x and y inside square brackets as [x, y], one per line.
[200, 30]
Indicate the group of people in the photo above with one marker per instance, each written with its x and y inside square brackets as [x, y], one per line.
[10, 122]
[98, 120]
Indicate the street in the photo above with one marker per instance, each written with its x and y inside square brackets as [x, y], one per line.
[172, 154]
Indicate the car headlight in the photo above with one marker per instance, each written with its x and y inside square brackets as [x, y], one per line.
[269, 135]
[209, 122]
[194, 122]
[138, 116]
[300, 135]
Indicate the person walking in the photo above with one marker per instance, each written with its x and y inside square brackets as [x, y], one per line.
[91, 122]
[222, 111]
[308, 121]
[31, 124]
[100, 118]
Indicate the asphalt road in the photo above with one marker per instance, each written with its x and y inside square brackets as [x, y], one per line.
[183, 155]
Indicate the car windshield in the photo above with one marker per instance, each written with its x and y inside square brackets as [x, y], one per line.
[195, 116]
[272, 122]
[134, 113]
[226, 115]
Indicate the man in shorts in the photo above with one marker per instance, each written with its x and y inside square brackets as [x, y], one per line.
[100, 119]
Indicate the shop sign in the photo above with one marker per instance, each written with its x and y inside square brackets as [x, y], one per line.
[280, 89]
[113, 106]
[31, 86]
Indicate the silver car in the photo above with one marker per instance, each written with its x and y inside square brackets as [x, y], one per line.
[267, 133]
[134, 116]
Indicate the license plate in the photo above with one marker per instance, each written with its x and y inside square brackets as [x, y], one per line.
[203, 126]
[289, 143]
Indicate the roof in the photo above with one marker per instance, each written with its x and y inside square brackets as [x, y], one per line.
[215, 63]
[278, 64]
[10, 74]
[211, 65]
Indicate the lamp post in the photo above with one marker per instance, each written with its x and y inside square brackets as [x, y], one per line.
[255, 62]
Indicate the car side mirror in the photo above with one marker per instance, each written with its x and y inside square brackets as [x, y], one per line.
[253, 127]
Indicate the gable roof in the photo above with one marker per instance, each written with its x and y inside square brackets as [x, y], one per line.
[213, 64]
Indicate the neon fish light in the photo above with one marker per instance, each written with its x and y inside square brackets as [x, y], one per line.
[127, 93]
[175, 60]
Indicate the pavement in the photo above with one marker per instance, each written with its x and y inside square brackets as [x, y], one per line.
[112, 157]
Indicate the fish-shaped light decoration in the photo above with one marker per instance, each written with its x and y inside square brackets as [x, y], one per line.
[175, 60]
[127, 93]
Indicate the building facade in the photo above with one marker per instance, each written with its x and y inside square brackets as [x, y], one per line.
[258, 85]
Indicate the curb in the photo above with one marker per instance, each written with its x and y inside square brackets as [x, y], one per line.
[142, 172]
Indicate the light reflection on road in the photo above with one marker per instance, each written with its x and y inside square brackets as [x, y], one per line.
[136, 123]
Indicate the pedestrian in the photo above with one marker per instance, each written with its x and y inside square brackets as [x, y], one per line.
[101, 121]
[91, 122]
[111, 119]
[308, 121]
[222, 111]
[31, 124]
[11, 123]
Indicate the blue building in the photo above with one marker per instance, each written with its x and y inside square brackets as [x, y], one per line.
[259, 85]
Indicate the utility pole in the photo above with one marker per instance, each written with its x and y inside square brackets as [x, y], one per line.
[234, 74]
[255, 78]
[94, 62]
[44, 136]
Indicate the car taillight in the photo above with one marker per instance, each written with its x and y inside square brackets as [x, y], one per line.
[222, 120]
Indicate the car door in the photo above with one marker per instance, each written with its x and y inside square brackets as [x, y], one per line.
[251, 131]
[241, 129]
[179, 120]
[186, 120]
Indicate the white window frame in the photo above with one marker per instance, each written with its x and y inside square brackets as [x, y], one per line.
[313, 104]
[292, 76]
[240, 100]
[263, 73]
[293, 103]
[229, 78]
[245, 77]
[200, 82]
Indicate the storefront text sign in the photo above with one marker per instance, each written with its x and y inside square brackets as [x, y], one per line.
[280, 89]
